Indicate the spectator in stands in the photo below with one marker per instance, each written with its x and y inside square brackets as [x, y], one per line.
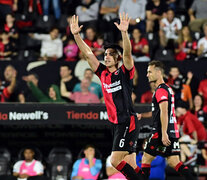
[29, 167]
[34, 78]
[136, 11]
[51, 47]
[68, 78]
[53, 92]
[197, 14]
[5, 92]
[80, 68]
[67, 33]
[192, 128]
[31, 7]
[147, 96]
[111, 172]
[186, 95]
[186, 48]
[10, 27]
[199, 110]
[71, 50]
[7, 50]
[109, 11]
[90, 36]
[85, 96]
[88, 167]
[98, 47]
[17, 95]
[155, 11]
[140, 47]
[56, 8]
[193, 82]
[175, 80]
[7, 7]
[171, 25]
[202, 89]
[202, 43]
[88, 13]
[93, 87]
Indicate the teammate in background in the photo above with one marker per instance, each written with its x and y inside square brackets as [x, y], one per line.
[165, 134]
[117, 90]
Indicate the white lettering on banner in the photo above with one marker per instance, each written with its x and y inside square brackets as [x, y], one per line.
[114, 89]
[103, 115]
[37, 115]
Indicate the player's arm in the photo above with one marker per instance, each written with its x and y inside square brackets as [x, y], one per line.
[164, 122]
[84, 48]
[127, 48]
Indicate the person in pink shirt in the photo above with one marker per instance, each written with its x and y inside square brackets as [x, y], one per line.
[71, 51]
[85, 96]
[24, 169]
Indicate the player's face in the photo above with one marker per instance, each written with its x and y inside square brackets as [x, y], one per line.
[89, 152]
[152, 74]
[109, 58]
[28, 154]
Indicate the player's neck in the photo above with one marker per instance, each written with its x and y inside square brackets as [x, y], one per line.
[112, 69]
[159, 81]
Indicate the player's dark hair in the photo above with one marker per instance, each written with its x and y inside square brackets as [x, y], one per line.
[157, 64]
[89, 146]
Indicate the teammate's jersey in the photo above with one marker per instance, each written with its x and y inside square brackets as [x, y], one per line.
[117, 90]
[164, 93]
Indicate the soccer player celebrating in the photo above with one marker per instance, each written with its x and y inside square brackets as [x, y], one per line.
[165, 134]
[117, 88]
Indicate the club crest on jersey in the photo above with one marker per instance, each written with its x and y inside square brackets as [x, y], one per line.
[117, 72]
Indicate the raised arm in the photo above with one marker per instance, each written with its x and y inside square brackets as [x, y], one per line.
[123, 27]
[63, 90]
[84, 48]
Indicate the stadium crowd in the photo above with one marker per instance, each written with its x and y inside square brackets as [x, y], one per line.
[166, 30]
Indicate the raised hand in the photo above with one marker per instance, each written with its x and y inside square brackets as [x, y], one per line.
[124, 22]
[75, 29]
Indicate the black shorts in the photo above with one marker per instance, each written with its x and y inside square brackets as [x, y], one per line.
[125, 135]
[154, 146]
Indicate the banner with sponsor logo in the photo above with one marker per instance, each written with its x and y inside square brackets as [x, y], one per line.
[41, 113]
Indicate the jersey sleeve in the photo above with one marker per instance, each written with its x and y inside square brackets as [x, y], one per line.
[100, 69]
[38, 168]
[17, 165]
[161, 95]
[129, 72]
[75, 168]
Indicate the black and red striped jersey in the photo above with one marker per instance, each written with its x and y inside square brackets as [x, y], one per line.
[117, 89]
[164, 93]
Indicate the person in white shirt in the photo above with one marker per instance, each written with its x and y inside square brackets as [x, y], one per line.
[51, 47]
[136, 11]
[202, 43]
[29, 167]
[171, 25]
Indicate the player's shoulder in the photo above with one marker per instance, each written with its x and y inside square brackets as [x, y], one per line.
[163, 86]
